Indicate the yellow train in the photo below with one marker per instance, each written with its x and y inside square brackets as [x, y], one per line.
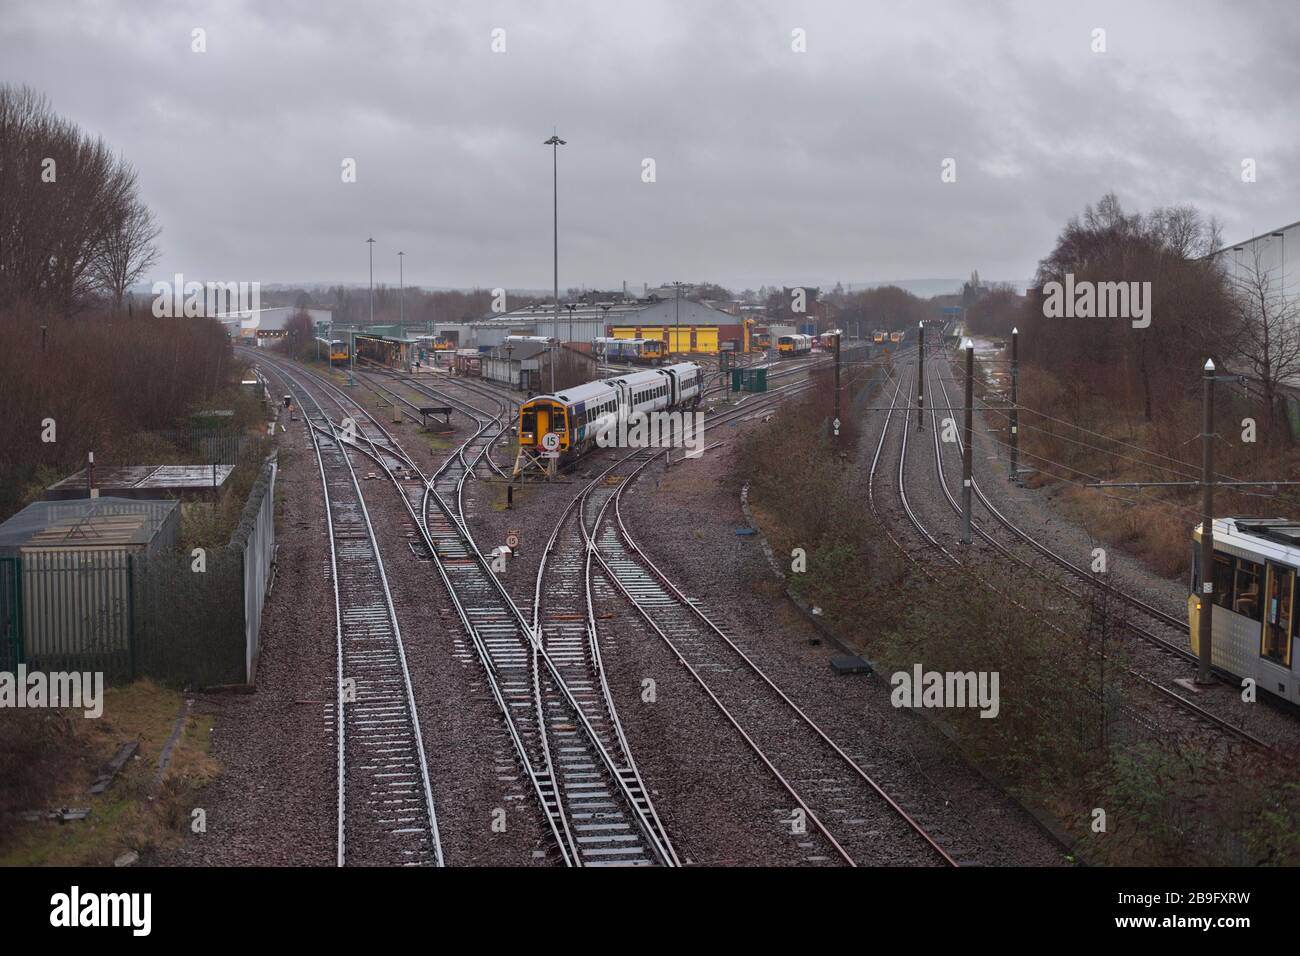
[336, 349]
[895, 337]
[878, 337]
[650, 351]
[791, 345]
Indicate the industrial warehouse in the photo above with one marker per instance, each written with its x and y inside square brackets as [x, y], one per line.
[684, 325]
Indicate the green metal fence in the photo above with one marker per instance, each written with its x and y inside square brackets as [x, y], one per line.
[126, 614]
[11, 614]
[77, 610]
[198, 445]
[179, 617]
[1291, 406]
[189, 618]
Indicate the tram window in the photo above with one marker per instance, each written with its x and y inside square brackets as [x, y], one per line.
[1279, 615]
[1223, 580]
[1247, 590]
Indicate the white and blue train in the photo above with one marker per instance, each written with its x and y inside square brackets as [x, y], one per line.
[576, 415]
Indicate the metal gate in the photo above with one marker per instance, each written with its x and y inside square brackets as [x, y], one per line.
[11, 614]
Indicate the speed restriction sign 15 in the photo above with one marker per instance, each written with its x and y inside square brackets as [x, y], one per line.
[551, 441]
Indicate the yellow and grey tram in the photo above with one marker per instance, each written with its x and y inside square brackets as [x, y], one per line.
[1255, 627]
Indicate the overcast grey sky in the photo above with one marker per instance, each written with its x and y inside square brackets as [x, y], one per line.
[772, 166]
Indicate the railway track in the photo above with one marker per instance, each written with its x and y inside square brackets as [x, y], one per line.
[1150, 610]
[386, 813]
[564, 617]
[1178, 700]
[547, 681]
[933, 544]
[581, 786]
[830, 793]
[486, 419]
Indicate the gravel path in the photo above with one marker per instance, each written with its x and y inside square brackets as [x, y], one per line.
[274, 802]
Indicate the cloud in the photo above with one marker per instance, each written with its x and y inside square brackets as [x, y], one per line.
[771, 165]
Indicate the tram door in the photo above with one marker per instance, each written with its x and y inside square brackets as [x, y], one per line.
[1279, 610]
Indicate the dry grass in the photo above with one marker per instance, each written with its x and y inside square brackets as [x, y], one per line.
[50, 759]
[1150, 531]
[1114, 442]
[805, 496]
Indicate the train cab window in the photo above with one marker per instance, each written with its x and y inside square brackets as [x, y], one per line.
[1223, 580]
[1246, 594]
[528, 421]
[1279, 614]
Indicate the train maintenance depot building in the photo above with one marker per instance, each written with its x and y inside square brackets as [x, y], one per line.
[686, 326]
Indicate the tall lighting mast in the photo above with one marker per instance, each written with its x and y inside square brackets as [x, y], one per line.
[555, 143]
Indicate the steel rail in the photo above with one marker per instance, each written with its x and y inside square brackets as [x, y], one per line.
[595, 553]
[569, 846]
[1155, 639]
[341, 707]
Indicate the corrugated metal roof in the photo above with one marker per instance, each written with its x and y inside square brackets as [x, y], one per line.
[171, 477]
[518, 351]
[86, 522]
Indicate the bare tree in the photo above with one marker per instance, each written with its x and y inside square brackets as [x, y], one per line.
[1167, 247]
[1269, 340]
[996, 311]
[63, 194]
[299, 335]
[127, 250]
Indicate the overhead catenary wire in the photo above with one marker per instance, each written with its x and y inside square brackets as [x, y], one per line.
[1222, 478]
[1104, 437]
[1065, 478]
[1096, 478]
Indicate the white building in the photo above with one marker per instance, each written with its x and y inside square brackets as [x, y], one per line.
[1274, 253]
[1272, 256]
[257, 323]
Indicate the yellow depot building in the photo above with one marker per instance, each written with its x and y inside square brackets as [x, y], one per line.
[680, 339]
